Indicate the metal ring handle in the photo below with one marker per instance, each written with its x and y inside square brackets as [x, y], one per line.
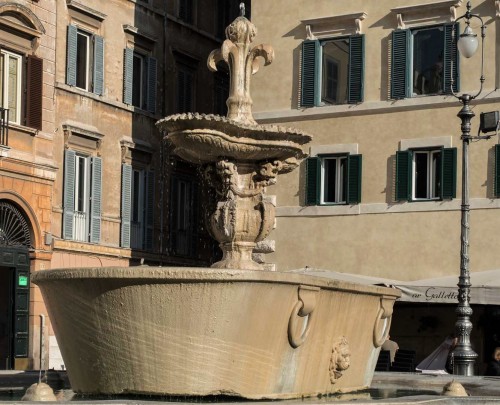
[380, 337]
[296, 341]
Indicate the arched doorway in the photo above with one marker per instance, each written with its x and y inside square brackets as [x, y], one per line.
[15, 243]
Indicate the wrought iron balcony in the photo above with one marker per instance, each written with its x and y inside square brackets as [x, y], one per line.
[4, 126]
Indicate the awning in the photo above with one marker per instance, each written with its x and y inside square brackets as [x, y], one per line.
[485, 286]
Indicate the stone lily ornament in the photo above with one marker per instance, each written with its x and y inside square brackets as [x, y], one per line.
[239, 157]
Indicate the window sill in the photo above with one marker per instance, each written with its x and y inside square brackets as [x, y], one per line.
[22, 128]
[369, 107]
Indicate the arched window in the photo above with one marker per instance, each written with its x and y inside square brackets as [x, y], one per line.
[14, 228]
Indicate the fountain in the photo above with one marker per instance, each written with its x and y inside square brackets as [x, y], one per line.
[233, 329]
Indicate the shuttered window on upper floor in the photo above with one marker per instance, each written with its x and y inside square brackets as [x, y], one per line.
[332, 71]
[139, 80]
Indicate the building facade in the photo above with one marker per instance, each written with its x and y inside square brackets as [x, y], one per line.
[380, 192]
[84, 173]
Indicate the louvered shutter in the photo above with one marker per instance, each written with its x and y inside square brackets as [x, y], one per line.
[69, 193]
[152, 72]
[449, 173]
[71, 55]
[497, 170]
[354, 170]
[126, 205]
[310, 94]
[313, 187]
[34, 83]
[96, 196]
[128, 75]
[98, 79]
[451, 58]
[403, 175]
[400, 60]
[356, 68]
[150, 191]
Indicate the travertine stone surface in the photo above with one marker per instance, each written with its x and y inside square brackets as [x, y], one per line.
[192, 331]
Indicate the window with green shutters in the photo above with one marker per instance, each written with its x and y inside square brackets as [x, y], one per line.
[497, 171]
[332, 71]
[424, 61]
[333, 179]
[139, 80]
[85, 60]
[426, 174]
[82, 197]
[137, 208]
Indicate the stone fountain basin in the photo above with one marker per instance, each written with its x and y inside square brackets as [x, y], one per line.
[194, 331]
[205, 138]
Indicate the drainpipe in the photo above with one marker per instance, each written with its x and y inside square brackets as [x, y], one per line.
[42, 342]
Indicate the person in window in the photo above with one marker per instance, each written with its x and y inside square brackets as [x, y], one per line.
[493, 368]
[430, 81]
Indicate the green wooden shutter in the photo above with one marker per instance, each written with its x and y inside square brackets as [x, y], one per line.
[449, 173]
[152, 69]
[497, 170]
[451, 60]
[354, 170]
[71, 55]
[313, 166]
[400, 64]
[310, 94]
[150, 191]
[95, 206]
[126, 205]
[98, 79]
[69, 193]
[128, 75]
[34, 89]
[403, 175]
[356, 68]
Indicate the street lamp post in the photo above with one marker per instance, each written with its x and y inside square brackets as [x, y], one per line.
[463, 355]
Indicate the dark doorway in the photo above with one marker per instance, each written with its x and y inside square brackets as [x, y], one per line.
[6, 319]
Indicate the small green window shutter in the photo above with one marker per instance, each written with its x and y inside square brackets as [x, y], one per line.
[71, 55]
[96, 196]
[126, 205]
[403, 175]
[150, 191]
[310, 95]
[69, 193]
[451, 60]
[400, 68]
[497, 171]
[152, 66]
[98, 79]
[128, 75]
[354, 169]
[356, 68]
[449, 173]
[313, 166]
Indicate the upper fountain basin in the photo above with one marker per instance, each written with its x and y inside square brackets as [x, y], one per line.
[205, 138]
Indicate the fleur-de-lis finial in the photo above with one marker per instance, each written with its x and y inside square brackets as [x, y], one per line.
[241, 58]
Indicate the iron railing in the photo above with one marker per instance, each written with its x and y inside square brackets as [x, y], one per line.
[80, 232]
[4, 126]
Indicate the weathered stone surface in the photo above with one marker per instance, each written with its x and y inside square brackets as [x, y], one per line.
[39, 392]
[192, 331]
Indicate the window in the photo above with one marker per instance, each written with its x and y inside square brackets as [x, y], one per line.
[426, 174]
[85, 60]
[221, 92]
[82, 197]
[332, 71]
[185, 88]
[19, 86]
[184, 206]
[333, 179]
[137, 207]
[139, 87]
[496, 185]
[423, 61]
[186, 11]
